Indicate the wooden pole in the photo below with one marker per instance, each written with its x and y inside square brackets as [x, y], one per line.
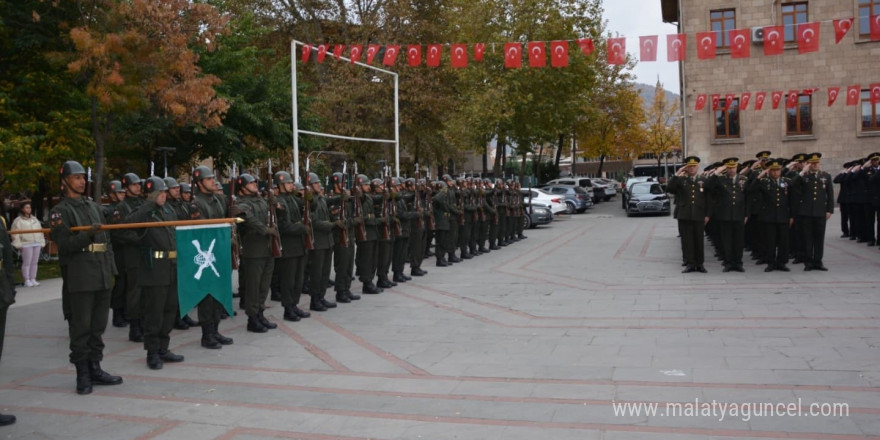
[210, 221]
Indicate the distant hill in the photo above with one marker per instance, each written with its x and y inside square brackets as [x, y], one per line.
[647, 92]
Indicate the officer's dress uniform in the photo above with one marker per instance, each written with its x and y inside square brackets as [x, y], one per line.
[127, 243]
[775, 219]
[257, 262]
[869, 213]
[692, 203]
[813, 197]
[321, 258]
[843, 200]
[367, 256]
[118, 292]
[291, 267]
[729, 213]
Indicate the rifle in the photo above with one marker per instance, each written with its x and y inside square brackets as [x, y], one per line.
[273, 216]
[307, 217]
[360, 230]
[429, 201]
[461, 206]
[236, 247]
[417, 203]
[386, 231]
[392, 210]
[343, 232]
[495, 200]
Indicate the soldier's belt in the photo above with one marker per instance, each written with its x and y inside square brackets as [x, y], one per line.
[167, 255]
[96, 247]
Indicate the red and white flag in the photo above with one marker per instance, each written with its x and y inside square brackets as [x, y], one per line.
[792, 100]
[808, 37]
[479, 51]
[875, 92]
[322, 52]
[337, 50]
[648, 46]
[701, 102]
[740, 46]
[537, 54]
[706, 42]
[852, 94]
[305, 53]
[832, 95]
[728, 100]
[391, 52]
[434, 51]
[841, 28]
[716, 101]
[676, 47]
[372, 50]
[355, 53]
[774, 40]
[559, 53]
[744, 100]
[776, 97]
[586, 45]
[875, 27]
[458, 55]
[414, 54]
[759, 100]
[512, 55]
[617, 51]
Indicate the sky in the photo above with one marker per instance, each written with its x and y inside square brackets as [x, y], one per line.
[634, 18]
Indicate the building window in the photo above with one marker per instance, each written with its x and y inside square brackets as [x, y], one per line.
[727, 121]
[723, 21]
[792, 15]
[870, 113]
[867, 9]
[799, 120]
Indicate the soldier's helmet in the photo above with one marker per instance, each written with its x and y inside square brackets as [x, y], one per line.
[487, 180]
[299, 186]
[338, 178]
[202, 172]
[116, 186]
[244, 179]
[397, 181]
[376, 182]
[154, 184]
[71, 167]
[446, 177]
[411, 181]
[362, 179]
[313, 179]
[185, 188]
[171, 182]
[282, 177]
[130, 179]
[439, 184]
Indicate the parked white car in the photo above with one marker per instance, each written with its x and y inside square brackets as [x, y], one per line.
[609, 185]
[555, 202]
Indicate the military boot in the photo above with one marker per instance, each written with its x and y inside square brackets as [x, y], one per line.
[223, 340]
[254, 325]
[179, 324]
[119, 318]
[83, 381]
[135, 333]
[266, 323]
[189, 321]
[153, 360]
[290, 315]
[208, 340]
[6, 419]
[101, 377]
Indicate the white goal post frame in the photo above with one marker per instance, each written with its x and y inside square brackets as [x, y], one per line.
[297, 131]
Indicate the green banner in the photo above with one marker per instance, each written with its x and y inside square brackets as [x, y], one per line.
[204, 265]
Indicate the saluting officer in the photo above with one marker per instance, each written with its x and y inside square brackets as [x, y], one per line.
[776, 216]
[813, 199]
[209, 202]
[87, 270]
[866, 176]
[843, 199]
[157, 273]
[256, 252]
[791, 170]
[729, 211]
[692, 203]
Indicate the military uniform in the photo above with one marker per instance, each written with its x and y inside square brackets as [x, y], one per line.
[692, 203]
[366, 256]
[406, 215]
[291, 267]
[729, 212]
[813, 201]
[321, 257]
[843, 200]
[442, 213]
[343, 253]
[385, 242]
[118, 293]
[7, 283]
[127, 244]
[256, 254]
[418, 229]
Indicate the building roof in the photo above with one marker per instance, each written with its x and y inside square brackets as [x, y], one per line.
[670, 10]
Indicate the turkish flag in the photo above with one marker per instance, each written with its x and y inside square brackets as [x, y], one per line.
[852, 94]
[414, 54]
[740, 43]
[701, 102]
[648, 47]
[808, 37]
[390, 55]
[537, 54]
[337, 50]
[372, 50]
[458, 55]
[586, 45]
[322, 52]
[306, 52]
[616, 51]
[875, 92]
[792, 100]
[759, 100]
[355, 53]
[832, 95]
[706, 45]
[716, 101]
[512, 55]
[841, 28]
[774, 40]
[875, 27]
[744, 100]
[559, 53]
[776, 97]
[479, 50]
[728, 100]
[676, 47]
[434, 51]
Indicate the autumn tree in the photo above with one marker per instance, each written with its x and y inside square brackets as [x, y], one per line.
[663, 132]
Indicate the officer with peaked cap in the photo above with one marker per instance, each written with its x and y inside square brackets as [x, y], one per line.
[843, 200]
[775, 217]
[692, 204]
[729, 212]
[813, 205]
[87, 268]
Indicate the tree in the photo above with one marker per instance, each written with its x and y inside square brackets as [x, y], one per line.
[663, 131]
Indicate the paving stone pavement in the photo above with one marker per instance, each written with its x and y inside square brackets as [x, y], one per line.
[540, 339]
